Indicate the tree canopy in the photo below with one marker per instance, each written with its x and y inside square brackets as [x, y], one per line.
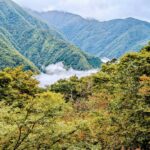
[107, 110]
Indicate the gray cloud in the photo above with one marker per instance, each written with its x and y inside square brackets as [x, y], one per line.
[99, 9]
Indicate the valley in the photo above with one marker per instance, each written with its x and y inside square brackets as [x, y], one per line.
[109, 39]
[70, 82]
[39, 43]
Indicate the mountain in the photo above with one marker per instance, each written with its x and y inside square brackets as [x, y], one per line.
[36, 41]
[9, 56]
[105, 39]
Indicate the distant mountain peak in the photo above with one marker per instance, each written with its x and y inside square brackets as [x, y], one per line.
[110, 38]
[58, 12]
[133, 19]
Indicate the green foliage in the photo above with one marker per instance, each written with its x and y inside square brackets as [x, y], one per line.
[119, 99]
[10, 57]
[34, 119]
[105, 39]
[32, 125]
[128, 109]
[73, 89]
[36, 41]
[108, 110]
[16, 84]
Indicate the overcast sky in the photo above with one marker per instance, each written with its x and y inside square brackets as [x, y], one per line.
[98, 9]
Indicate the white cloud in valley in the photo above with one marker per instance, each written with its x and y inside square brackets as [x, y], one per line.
[55, 72]
[99, 9]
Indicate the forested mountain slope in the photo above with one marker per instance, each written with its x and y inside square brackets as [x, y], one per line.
[9, 56]
[38, 42]
[105, 39]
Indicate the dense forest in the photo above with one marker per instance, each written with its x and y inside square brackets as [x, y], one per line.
[27, 40]
[111, 38]
[107, 110]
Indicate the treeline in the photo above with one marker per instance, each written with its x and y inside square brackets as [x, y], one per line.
[108, 110]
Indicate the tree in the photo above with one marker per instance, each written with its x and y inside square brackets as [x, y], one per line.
[129, 109]
[32, 125]
[17, 84]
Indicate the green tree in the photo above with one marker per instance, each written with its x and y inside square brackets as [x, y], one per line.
[34, 125]
[17, 84]
[128, 108]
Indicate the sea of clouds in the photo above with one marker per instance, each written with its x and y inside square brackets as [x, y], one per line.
[55, 72]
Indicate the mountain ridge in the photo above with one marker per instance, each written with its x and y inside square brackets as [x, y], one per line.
[38, 42]
[96, 37]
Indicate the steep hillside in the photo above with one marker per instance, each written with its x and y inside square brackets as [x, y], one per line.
[105, 39]
[9, 56]
[38, 42]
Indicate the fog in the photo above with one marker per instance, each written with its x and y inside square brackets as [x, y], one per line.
[105, 59]
[55, 72]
